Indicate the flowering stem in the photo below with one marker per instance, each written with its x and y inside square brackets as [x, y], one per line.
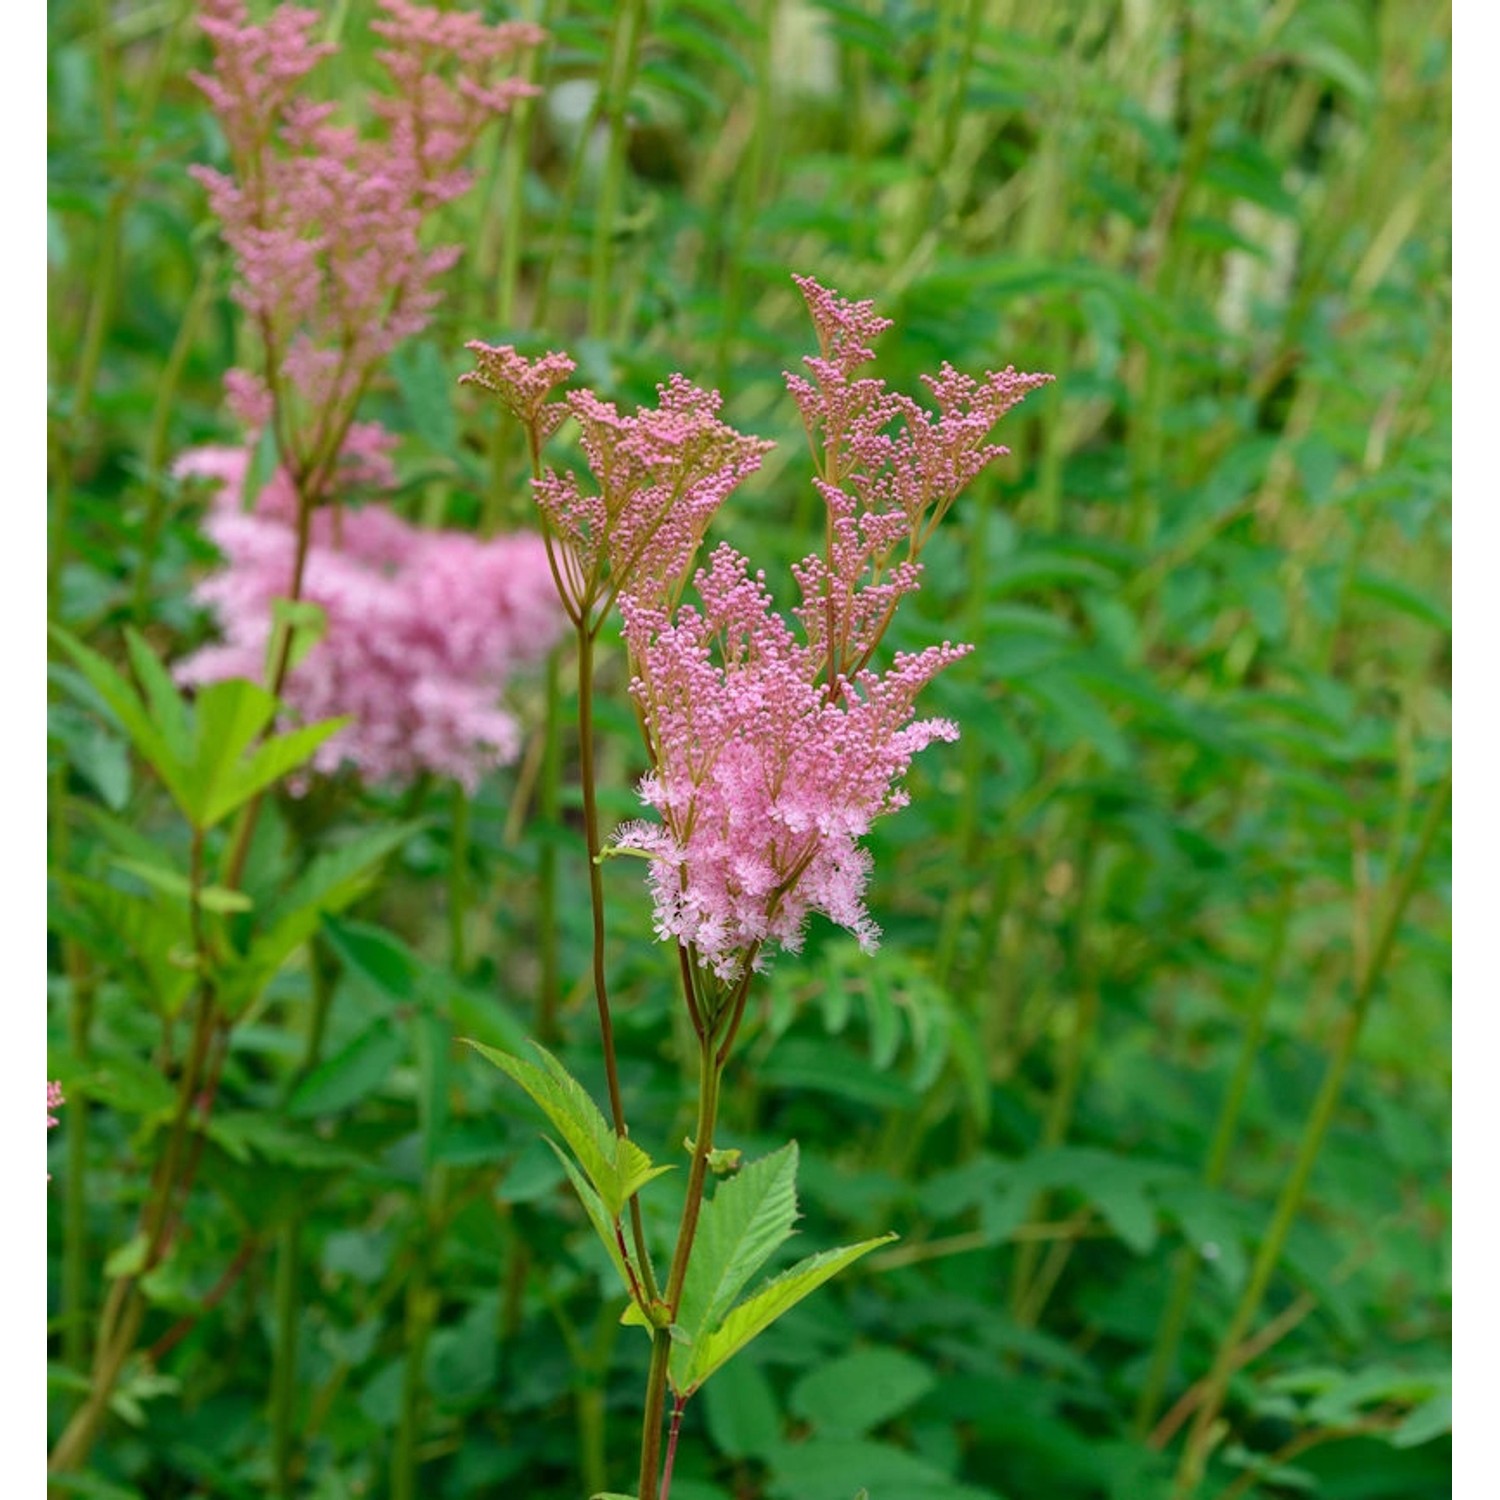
[596, 901]
[1201, 1434]
[710, 1071]
[546, 1010]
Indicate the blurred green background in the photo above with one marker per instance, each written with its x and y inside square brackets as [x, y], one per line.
[1190, 855]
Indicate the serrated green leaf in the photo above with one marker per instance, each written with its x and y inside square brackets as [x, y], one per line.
[748, 1218]
[762, 1308]
[604, 1226]
[616, 1167]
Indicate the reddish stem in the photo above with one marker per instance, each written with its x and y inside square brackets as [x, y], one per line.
[678, 1402]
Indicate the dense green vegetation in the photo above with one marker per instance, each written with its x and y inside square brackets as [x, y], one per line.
[1150, 1072]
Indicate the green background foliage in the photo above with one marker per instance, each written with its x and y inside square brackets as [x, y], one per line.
[1187, 835]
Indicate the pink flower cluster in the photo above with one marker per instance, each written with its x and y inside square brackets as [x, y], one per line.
[660, 473]
[54, 1100]
[889, 470]
[764, 781]
[325, 222]
[772, 752]
[421, 629]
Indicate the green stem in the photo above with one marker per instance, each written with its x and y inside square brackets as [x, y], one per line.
[1185, 1268]
[586, 774]
[458, 879]
[549, 807]
[75, 1288]
[710, 1072]
[1201, 1434]
[421, 1309]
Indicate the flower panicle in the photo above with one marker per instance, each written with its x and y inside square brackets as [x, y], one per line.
[889, 468]
[523, 385]
[659, 476]
[326, 222]
[775, 748]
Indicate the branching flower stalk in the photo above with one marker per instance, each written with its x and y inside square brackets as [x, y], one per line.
[772, 745]
[662, 475]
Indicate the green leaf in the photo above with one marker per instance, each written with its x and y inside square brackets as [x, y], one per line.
[739, 1229]
[352, 1073]
[123, 702]
[826, 1469]
[1431, 1419]
[426, 388]
[1402, 597]
[762, 1308]
[128, 1259]
[306, 622]
[330, 883]
[94, 751]
[740, 1408]
[269, 763]
[616, 1167]
[214, 898]
[851, 1396]
[263, 463]
[604, 1226]
[228, 716]
[167, 706]
[379, 958]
